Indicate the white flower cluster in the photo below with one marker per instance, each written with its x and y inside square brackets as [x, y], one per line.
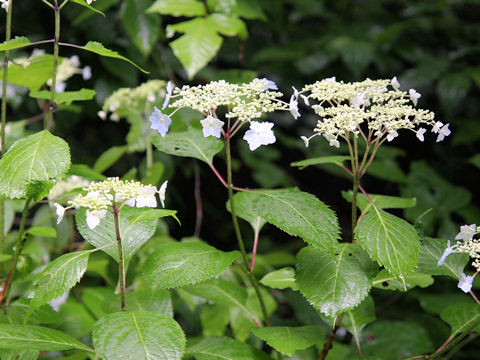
[67, 68]
[113, 194]
[466, 243]
[380, 104]
[126, 101]
[241, 102]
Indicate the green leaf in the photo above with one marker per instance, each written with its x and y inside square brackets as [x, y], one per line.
[475, 160]
[157, 301]
[34, 75]
[215, 319]
[154, 173]
[151, 214]
[16, 43]
[84, 171]
[295, 212]
[225, 348]
[66, 97]
[180, 264]
[139, 335]
[108, 158]
[178, 7]
[189, 143]
[380, 201]
[19, 354]
[101, 50]
[38, 189]
[385, 280]
[40, 156]
[391, 241]
[334, 284]
[84, 3]
[197, 46]
[280, 279]
[45, 231]
[288, 340]
[355, 320]
[59, 276]
[431, 251]
[229, 25]
[36, 338]
[461, 317]
[5, 257]
[245, 209]
[337, 160]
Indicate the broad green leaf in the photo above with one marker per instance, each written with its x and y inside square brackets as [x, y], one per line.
[157, 301]
[133, 233]
[19, 354]
[245, 209]
[40, 156]
[84, 3]
[461, 317]
[385, 280]
[214, 319]
[229, 25]
[36, 338]
[60, 276]
[226, 348]
[295, 212]
[101, 50]
[33, 76]
[143, 29]
[77, 321]
[38, 189]
[391, 241]
[355, 320]
[180, 264]
[199, 44]
[189, 143]
[436, 303]
[249, 9]
[280, 279]
[380, 201]
[334, 284]
[288, 340]
[16, 43]
[108, 158]
[66, 97]
[139, 335]
[42, 315]
[178, 7]
[46, 231]
[431, 251]
[96, 300]
[337, 160]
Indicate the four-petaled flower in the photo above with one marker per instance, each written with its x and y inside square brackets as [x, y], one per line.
[419, 133]
[466, 232]
[414, 96]
[94, 217]
[392, 134]
[444, 131]
[332, 140]
[160, 121]
[147, 197]
[259, 134]
[465, 283]
[211, 126]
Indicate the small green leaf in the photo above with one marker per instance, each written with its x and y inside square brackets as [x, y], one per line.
[385, 280]
[108, 158]
[66, 97]
[146, 335]
[180, 264]
[280, 279]
[337, 160]
[16, 43]
[189, 143]
[288, 340]
[225, 348]
[355, 320]
[40, 156]
[380, 201]
[461, 317]
[33, 76]
[45, 231]
[391, 241]
[229, 25]
[84, 3]
[178, 7]
[101, 50]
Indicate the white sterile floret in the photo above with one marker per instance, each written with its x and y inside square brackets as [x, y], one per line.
[160, 122]
[332, 140]
[358, 100]
[60, 86]
[395, 84]
[161, 193]
[466, 232]
[392, 134]
[4, 4]
[94, 217]
[447, 252]
[75, 60]
[269, 84]
[305, 140]
[293, 107]
[444, 131]
[465, 283]
[436, 127]
[170, 88]
[102, 115]
[414, 96]
[305, 100]
[60, 211]
[259, 134]
[419, 134]
[86, 73]
[147, 197]
[211, 126]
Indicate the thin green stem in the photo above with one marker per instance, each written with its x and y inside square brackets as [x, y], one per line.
[56, 42]
[121, 261]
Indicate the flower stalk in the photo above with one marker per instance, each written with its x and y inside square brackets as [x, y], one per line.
[121, 261]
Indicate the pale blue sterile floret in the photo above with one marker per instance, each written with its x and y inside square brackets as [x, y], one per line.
[465, 283]
[447, 252]
[211, 126]
[270, 85]
[160, 121]
[259, 134]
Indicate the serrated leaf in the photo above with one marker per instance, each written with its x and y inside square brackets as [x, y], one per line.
[337, 160]
[45, 231]
[16, 43]
[36, 338]
[229, 25]
[280, 279]
[33, 76]
[199, 44]
[178, 7]
[60, 276]
[152, 214]
[84, 3]
[189, 143]
[355, 320]
[288, 340]
[146, 335]
[295, 212]
[461, 317]
[66, 97]
[245, 209]
[98, 48]
[380, 201]
[38, 189]
[180, 264]
[431, 251]
[334, 284]
[225, 348]
[108, 158]
[19, 354]
[385, 280]
[391, 241]
[40, 156]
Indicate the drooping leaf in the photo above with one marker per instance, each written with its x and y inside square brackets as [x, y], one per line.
[355, 320]
[385, 280]
[16, 43]
[180, 264]
[178, 7]
[40, 156]
[280, 279]
[146, 335]
[84, 3]
[337, 160]
[60, 276]
[288, 340]
[391, 241]
[66, 97]
[295, 212]
[225, 348]
[380, 201]
[108, 158]
[189, 143]
[46, 231]
[461, 317]
[34, 75]
[334, 283]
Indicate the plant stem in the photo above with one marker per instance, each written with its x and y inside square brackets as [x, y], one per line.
[121, 261]
[238, 234]
[329, 343]
[56, 41]
[16, 255]
[354, 203]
